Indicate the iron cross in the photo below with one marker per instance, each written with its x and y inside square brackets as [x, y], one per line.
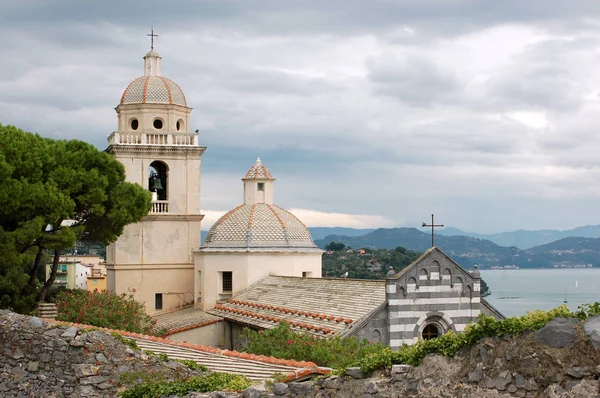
[152, 36]
[432, 225]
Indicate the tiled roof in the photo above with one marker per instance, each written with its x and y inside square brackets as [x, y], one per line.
[258, 172]
[259, 225]
[184, 319]
[153, 90]
[255, 367]
[321, 306]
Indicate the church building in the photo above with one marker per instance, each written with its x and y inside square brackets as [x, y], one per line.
[258, 265]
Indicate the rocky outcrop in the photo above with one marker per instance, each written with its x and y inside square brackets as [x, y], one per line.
[44, 359]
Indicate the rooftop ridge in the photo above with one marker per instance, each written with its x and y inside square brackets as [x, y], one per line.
[329, 278]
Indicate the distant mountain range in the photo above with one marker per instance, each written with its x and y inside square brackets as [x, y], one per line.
[566, 252]
[526, 239]
[526, 249]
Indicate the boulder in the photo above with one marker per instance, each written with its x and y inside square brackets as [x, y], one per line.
[592, 330]
[280, 388]
[558, 333]
[355, 373]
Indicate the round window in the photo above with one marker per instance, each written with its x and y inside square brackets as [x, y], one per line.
[134, 124]
[430, 332]
[158, 124]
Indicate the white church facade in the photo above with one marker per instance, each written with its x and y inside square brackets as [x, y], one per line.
[258, 265]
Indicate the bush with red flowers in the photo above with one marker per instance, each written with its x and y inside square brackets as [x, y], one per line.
[105, 309]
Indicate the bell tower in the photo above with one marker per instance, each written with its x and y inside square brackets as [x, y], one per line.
[153, 259]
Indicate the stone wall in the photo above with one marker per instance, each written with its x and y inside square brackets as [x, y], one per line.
[44, 359]
[560, 360]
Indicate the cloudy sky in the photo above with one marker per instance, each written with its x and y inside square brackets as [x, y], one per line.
[369, 113]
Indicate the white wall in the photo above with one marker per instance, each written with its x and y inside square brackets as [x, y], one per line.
[247, 268]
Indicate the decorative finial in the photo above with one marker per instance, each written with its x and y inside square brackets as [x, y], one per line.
[258, 162]
[152, 36]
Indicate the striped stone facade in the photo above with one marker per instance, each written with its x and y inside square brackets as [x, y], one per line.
[431, 296]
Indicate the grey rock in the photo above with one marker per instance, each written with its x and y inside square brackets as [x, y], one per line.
[578, 372]
[512, 389]
[572, 384]
[301, 388]
[251, 392]
[592, 330]
[70, 332]
[218, 394]
[101, 358]
[476, 374]
[483, 353]
[412, 387]
[401, 368]
[371, 388]
[355, 373]
[36, 322]
[33, 366]
[332, 383]
[17, 353]
[558, 333]
[503, 380]
[52, 332]
[520, 381]
[85, 370]
[93, 380]
[280, 388]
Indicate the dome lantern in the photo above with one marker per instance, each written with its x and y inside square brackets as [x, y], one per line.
[258, 185]
[153, 104]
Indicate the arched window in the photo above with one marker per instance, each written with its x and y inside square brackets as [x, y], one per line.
[423, 274]
[468, 292]
[376, 336]
[158, 179]
[430, 331]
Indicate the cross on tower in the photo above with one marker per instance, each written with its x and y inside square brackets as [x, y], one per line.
[432, 225]
[152, 36]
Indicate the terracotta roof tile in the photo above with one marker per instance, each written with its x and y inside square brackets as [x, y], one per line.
[323, 306]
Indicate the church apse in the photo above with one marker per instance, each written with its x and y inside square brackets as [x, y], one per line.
[431, 297]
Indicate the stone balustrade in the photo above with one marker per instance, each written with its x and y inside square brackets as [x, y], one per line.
[160, 207]
[153, 138]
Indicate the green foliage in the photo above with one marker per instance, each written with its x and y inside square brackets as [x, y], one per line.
[486, 326]
[374, 264]
[163, 357]
[150, 388]
[134, 378]
[335, 246]
[587, 310]
[131, 343]
[105, 309]
[282, 342]
[192, 364]
[44, 183]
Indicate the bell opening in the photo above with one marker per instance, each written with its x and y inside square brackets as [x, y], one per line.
[158, 180]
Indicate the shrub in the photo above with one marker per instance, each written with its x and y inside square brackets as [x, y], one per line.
[282, 342]
[105, 309]
[486, 326]
[211, 382]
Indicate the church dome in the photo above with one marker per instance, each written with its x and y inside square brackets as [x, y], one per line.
[259, 225]
[153, 90]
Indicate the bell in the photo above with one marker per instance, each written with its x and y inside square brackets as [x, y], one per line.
[156, 184]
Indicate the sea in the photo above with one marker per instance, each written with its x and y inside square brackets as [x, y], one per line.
[517, 291]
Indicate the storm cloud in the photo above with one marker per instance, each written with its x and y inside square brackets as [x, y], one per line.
[368, 113]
